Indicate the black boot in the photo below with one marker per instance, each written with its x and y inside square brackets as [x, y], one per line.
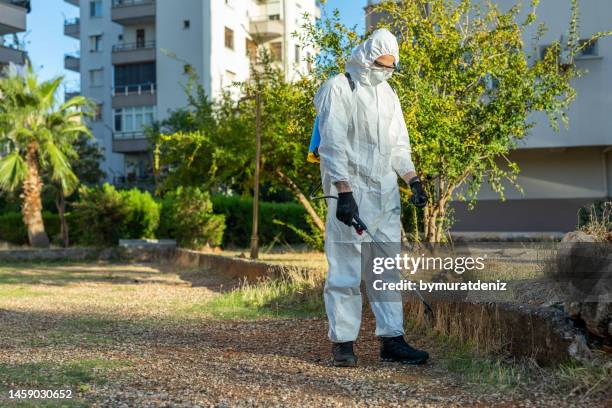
[344, 355]
[396, 349]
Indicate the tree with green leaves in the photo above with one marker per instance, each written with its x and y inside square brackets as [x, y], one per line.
[212, 144]
[37, 133]
[468, 86]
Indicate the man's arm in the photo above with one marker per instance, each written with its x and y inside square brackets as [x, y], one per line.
[333, 126]
[401, 153]
[401, 159]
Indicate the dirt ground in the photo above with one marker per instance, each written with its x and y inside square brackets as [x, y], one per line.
[136, 335]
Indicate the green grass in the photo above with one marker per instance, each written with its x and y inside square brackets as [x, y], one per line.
[295, 295]
[17, 292]
[77, 376]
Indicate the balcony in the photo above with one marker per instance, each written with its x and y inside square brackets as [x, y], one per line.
[74, 2]
[131, 53]
[72, 62]
[130, 12]
[134, 95]
[130, 142]
[265, 29]
[72, 28]
[13, 16]
[9, 54]
[71, 93]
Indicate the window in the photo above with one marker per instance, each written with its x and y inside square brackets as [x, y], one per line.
[229, 38]
[251, 49]
[276, 48]
[297, 54]
[97, 113]
[589, 50]
[186, 24]
[132, 75]
[95, 43]
[274, 17]
[140, 38]
[96, 77]
[133, 119]
[95, 8]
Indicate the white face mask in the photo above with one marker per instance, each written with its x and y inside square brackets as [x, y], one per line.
[378, 76]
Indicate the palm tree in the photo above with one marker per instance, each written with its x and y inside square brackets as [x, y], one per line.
[37, 135]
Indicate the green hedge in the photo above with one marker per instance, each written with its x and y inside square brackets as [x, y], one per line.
[238, 213]
[104, 215]
[13, 230]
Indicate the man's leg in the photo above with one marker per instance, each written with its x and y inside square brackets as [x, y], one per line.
[389, 310]
[387, 307]
[342, 290]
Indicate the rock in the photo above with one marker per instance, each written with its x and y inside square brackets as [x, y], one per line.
[579, 349]
[573, 309]
[578, 236]
[584, 268]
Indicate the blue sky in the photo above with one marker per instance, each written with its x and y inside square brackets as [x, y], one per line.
[46, 43]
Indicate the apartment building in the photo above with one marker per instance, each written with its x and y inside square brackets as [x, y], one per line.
[12, 21]
[560, 171]
[135, 56]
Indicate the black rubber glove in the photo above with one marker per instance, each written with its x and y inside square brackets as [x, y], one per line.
[419, 196]
[346, 208]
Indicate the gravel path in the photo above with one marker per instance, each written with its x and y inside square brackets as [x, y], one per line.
[162, 360]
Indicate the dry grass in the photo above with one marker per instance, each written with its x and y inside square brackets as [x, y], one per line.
[599, 222]
[306, 259]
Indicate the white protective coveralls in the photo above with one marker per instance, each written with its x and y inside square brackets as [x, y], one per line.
[364, 141]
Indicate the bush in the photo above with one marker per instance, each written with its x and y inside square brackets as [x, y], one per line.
[143, 214]
[104, 215]
[274, 219]
[14, 231]
[100, 215]
[187, 216]
[596, 220]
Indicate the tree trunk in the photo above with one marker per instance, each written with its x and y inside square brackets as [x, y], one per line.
[302, 199]
[60, 203]
[434, 221]
[31, 202]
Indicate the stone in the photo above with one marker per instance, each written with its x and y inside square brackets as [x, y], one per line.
[579, 349]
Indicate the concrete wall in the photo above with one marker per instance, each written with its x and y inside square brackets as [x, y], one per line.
[556, 173]
[176, 47]
[102, 130]
[556, 183]
[589, 114]
[233, 15]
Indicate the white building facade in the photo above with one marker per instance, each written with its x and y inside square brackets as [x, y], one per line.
[13, 15]
[136, 54]
[560, 171]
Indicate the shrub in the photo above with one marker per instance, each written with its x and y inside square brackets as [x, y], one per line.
[14, 231]
[104, 215]
[187, 216]
[100, 215]
[274, 220]
[142, 219]
[596, 220]
[12, 228]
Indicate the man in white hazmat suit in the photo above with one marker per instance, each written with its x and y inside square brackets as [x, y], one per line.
[364, 147]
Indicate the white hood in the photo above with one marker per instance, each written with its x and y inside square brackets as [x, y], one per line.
[380, 43]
